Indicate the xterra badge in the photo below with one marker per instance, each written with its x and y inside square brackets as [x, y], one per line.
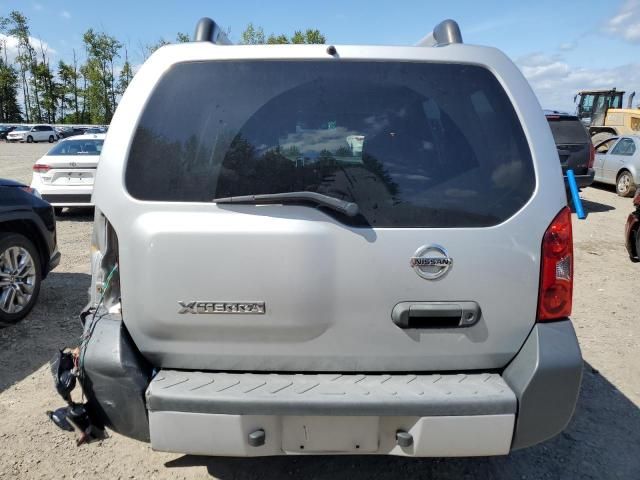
[222, 307]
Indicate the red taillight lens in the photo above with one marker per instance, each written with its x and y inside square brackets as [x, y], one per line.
[40, 168]
[636, 199]
[556, 273]
[592, 155]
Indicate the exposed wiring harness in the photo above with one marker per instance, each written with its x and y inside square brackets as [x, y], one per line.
[88, 331]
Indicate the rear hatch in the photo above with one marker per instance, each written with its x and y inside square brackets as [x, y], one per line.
[573, 142]
[434, 156]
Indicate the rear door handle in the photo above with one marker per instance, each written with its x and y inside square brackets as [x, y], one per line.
[435, 314]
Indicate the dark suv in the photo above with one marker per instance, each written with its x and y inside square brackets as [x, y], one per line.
[28, 248]
[574, 145]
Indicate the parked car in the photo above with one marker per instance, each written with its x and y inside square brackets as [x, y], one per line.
[263, 284]
[28, 249]
[4, 131]
[36, 133]
[64, 176]
[574, 145]
[632, 231]
[94, 130]
[618, 163]
[65, 132]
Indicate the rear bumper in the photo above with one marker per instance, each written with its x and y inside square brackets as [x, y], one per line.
[584, 180]
[68, 199]
[63, 195]
[443, 415]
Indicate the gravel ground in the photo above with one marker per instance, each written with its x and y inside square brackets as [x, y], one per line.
[602, 441]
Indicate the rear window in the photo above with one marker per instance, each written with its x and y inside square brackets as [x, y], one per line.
[568, 130]
[413, 144]
[77, 147]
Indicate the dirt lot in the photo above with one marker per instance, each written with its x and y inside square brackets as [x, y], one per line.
[603, 440]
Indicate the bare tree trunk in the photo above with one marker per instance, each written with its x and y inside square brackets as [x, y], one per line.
[51, 113]
[75, 84]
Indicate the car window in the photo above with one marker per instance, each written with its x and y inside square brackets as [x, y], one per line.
[625, 146]
[77, 147]
[605, 146]
[568, 130]
[413, 144]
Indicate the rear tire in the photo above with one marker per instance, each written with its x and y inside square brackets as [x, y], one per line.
[625, 184]
[51, 139]
[29, 139]
[20, 277]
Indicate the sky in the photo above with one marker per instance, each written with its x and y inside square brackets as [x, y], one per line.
[560, 46]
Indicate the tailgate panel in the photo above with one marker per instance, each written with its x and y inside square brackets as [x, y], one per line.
[328, 290]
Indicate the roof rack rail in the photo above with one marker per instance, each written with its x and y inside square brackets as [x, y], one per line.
[209, 31]
[444, 33]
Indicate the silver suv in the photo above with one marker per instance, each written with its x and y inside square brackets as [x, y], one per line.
[331, 249]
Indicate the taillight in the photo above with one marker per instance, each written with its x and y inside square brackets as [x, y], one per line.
[41, 168]
[32, 191]
[592, 155]
[556, 272]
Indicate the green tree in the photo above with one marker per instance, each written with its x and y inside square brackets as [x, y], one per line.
[253, 35]
[182, 38]
[70, 93]
[9, 82]
[17, 26]
[102, 51]
[126, 74]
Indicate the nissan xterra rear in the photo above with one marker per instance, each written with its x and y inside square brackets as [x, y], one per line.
[331, 249]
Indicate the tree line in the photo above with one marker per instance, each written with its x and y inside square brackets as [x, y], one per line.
[86, 88]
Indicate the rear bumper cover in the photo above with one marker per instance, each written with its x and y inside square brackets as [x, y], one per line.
[531, 401]
[68, 199]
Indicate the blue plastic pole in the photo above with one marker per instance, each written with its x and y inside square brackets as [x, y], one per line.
[573, 186]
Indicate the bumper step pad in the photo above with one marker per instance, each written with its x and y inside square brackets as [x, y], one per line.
[330, 394]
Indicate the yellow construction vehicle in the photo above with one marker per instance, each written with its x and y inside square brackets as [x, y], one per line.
[602, 113]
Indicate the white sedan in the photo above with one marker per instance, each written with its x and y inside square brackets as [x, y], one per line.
[64, 176]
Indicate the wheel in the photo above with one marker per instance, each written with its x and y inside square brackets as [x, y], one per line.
[51, 139]
[600, 137]
[625, 185]
[638, 244]
[29, 139]
[20, 277]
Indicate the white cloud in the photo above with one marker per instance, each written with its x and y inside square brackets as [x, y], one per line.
[626, 22]
[11, 44]
[489, 25]
[565, 47]
[65, 14]
[555, 82]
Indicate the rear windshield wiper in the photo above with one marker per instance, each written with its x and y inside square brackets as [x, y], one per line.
[348, 208]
